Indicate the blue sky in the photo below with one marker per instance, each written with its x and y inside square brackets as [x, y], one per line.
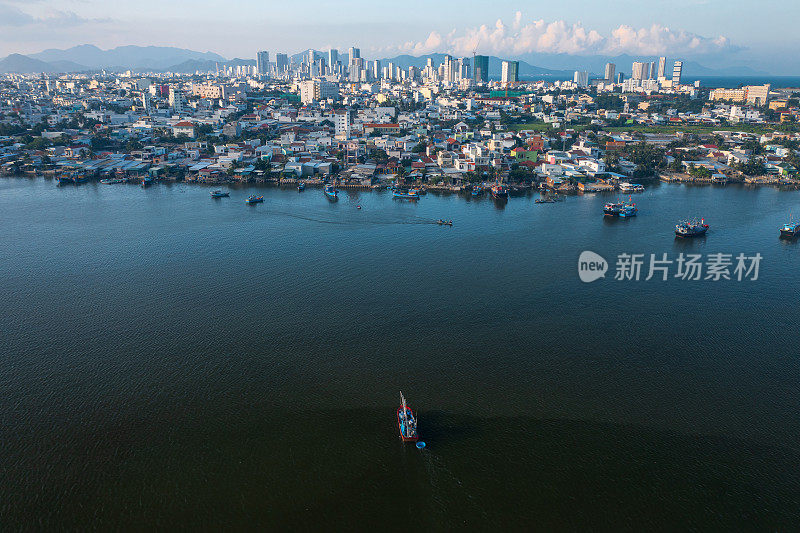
[715, 32]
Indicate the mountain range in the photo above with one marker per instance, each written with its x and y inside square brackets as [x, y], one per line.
[88, 57]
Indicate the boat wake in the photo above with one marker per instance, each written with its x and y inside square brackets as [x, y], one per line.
[361, 221]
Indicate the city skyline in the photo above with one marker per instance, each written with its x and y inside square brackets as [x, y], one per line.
[712, 35]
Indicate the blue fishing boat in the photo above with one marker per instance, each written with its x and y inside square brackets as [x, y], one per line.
[612, 209]
[411, 194]
[331, 192]
[301, 186]
[628, 210]
[146, 182]
[790, 230]
[219, 194]
[254, 199]
[477, 190]
[691, 228]
[81, 178]
[65, 180]
[406, 421]
[499, 191]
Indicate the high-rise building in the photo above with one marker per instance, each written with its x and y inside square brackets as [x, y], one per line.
[333, 58]
[262, 63]
[581, 78]
[342, 124]
[376, 69]
[677, 70]
[640, 71]
[611, 70]
[281, 63]
[481, 69]
[662, 67]
[353, 52]
[651, 70]
[510, 72]
[177, 100]
[315, 90]
[312, 57]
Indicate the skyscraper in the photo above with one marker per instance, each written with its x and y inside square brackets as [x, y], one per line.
[354, 52]
[333, 58]
[481, 69]
[312, 56]
[510, 72]
[611, 70]
[651, 70]
[376, 69]
[640, 71]
[662, 67]
[281, 63]
[677, 70]
[581, 78]
[262, 63]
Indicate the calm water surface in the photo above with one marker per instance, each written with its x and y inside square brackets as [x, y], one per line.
[169, 360]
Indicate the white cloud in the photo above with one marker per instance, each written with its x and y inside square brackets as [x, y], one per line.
[560, 37]
[13, 17]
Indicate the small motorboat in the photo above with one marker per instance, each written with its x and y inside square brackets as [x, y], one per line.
[406, 422]
[219, 194]
[301, 186]
[358, 207]
[444, 222]
[254, 199]
[111, 181]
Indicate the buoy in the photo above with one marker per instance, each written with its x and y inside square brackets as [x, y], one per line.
[420, 445]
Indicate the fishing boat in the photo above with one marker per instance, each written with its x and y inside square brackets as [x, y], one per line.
[477, 190]
[301, 186]
[65, 180]
[628, 210]
[630, 187]
[220, 194]
[81, 178]
[112, 181]
[254, 199]
[411, 194]
[499, 192]
[444, 222]
[544, 201]
[146, 182]
[331, 192]
[612, 209]
[691, 228]
[406, 421]
[790, 229]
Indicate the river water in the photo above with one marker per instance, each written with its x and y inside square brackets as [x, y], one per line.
[169, 360]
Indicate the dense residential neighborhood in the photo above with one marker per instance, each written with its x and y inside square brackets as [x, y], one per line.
[447, 126]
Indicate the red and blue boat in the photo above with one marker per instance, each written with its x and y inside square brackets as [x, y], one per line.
[406, 422]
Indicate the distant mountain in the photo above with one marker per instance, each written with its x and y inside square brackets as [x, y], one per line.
[126, 57]
[24, 64]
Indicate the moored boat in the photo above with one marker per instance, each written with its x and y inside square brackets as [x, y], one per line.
[111, 181]
[411, 194]
[331, 191]
[301, 186]
[477, 190]
[146, 182]
[499, 191]
[65, 180]
[219, 194]
[790, 229]
[406, 421]
[612, 209]
[628, 210]
[691, 228]
[81, 178]
[630, 187]
[254, 199]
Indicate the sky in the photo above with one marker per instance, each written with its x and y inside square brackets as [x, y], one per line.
[717, 33]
